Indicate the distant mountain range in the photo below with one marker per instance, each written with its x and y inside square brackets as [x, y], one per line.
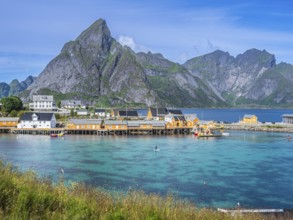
[15, 87]
[97, 69]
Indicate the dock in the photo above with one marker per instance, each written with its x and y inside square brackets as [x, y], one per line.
[273, 213]
[237, 211]
[101, 131]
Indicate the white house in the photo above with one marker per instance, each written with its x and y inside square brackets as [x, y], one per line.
[71, 104]
[82, 112]
[37, 120]
[100, 112]
[43, 103]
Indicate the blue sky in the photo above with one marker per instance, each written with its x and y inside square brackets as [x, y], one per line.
[33, 32]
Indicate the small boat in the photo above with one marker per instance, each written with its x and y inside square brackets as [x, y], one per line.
[225, 134]
[57, 135]
[209, 135]
[201, 134]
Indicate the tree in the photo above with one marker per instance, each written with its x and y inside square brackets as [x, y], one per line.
[11, 103]
[72, 113]
[13, 113]
[59, 104]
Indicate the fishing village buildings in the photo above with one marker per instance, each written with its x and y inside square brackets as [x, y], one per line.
[106, 122]
[121, 122]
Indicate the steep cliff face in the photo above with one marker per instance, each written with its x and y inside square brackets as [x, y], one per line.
[251, 78]
[96, 67]
[175, 85]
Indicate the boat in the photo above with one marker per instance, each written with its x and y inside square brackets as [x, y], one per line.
[57, 135]
[199, 134]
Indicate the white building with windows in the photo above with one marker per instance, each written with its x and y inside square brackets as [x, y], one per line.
[37, 120]
[72, 104]
[43, 103]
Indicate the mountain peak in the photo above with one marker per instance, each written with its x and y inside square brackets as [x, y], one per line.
[255, 56]
[97, 34]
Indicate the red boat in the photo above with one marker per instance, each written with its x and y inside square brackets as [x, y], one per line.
[57, 135]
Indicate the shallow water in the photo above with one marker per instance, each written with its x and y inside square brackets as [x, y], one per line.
[252, 168]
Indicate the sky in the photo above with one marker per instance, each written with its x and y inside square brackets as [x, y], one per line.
[33, 32]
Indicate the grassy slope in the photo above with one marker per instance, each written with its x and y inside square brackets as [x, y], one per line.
[24, 196]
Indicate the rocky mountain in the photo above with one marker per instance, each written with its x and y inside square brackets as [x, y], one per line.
[174, 84]
[97, 68]
[15, 87]
[251, 78]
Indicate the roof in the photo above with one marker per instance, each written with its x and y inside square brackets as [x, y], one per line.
[85, 121]
[175, 111]
[249, 116]
[287, 116]
[158, 123]
[111, 122]
[138, 123]
[99, 110]
[82, 110]
[190, 117]
[27, 116]
[43, 98]
[9, 119]
[71, 102]
[158, 111]
[179, 118]
[128, 113]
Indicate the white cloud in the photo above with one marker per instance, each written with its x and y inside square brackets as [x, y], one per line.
[130, 42]
[127, 41]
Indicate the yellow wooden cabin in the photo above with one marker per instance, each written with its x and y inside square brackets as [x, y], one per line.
[176, 121]
[249, 119]
[140, 125]
[9, 122]
[84, 124]
[169, 125]
[191, 119]
[115, 125]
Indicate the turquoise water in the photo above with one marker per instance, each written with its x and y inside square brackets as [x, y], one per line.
[253, 168]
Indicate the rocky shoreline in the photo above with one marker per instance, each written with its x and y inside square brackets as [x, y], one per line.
[280, 127]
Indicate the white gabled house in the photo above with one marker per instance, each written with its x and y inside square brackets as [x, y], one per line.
[37, 120]
[100, 112]
[82, 112]
[72, 104]
[43, 103]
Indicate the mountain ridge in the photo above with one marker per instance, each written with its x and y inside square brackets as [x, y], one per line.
[97, 68]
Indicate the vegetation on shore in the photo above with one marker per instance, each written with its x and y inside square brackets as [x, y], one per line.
[25, 196]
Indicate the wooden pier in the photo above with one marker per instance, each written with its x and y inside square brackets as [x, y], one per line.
[102, 132]
[271, 213]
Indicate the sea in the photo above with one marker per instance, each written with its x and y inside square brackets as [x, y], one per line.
[250, 167]
[234, 115]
